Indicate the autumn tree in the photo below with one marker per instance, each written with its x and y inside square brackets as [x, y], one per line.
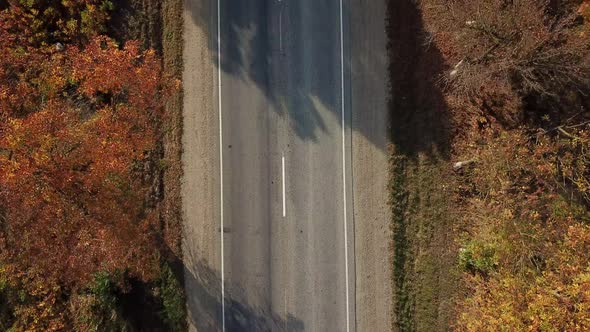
[43, 22]
[505, 52]
[77, 126]
[517, 81]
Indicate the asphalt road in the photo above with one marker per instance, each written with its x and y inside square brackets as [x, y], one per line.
[288, 237]
[283, 179]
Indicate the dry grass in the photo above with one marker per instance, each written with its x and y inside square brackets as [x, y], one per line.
[424, 251]
[172, 140]
[171, 206]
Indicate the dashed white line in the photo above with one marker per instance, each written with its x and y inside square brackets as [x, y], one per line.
[283, 183]
[283, 164]
[220, 162]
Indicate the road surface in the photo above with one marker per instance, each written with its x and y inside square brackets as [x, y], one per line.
[285, 154]
[281, 255]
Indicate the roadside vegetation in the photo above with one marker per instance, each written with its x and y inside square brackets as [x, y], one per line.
[88, 236]
[490, 165]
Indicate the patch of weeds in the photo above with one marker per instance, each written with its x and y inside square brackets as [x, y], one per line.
[401, 248]
[173, 302]
[105, 311]
[163, 164]
[562, 208]
[478, 258]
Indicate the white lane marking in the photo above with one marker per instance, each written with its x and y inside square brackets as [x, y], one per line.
[342, 110]
[283, 182]
[220, 161]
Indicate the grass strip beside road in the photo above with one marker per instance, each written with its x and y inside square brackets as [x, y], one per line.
[171, 210]
[424, 250]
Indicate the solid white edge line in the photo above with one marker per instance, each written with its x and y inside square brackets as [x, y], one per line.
[344, 163]
[220, 161]
[283, 182]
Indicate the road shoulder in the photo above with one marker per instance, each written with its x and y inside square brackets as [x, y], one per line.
[372, 216]
[200, 160]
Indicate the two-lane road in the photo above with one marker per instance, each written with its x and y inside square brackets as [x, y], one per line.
[287, 250]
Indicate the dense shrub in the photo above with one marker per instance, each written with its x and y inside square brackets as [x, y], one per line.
[173, 300]
[48, 21]
[503, 53]
[524, 256]
[78, 124]
[558, 299]
[518, 82]
[479, 258]
[97, 307]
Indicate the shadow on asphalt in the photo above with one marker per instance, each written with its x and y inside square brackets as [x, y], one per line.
[419, 121]
[246, 56]
[204, 284]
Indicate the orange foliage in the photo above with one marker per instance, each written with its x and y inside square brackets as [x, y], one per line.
[75, 129]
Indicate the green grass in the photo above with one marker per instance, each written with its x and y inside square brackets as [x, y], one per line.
[424, 260]
[172, 283]
[403, 319]
[174, 309]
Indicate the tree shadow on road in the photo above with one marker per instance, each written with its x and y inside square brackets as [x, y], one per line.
[203, 288]
[246, 45]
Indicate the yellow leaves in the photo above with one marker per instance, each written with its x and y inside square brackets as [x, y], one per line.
[14, 136]
[15, 123]
[90, 8]
[507, 214]
[556, 300]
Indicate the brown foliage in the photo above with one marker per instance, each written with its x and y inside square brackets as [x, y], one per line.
[76, 127]
[518, 82]
[520, 44]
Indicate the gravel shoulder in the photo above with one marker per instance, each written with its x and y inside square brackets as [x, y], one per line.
[372, 215]
[200, 189]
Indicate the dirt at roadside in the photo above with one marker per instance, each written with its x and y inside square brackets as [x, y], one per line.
[200, 167]
[370, 137]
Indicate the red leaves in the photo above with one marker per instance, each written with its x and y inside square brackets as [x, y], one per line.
[77, 125]
[103, 67]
